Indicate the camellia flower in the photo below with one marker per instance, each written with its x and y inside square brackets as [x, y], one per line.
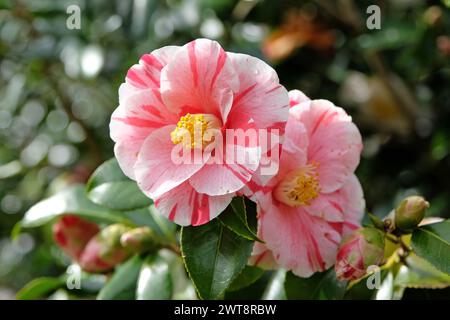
[305, 209]
[168, 104]
[72, 233]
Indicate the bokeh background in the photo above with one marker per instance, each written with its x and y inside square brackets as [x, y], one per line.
[58, 88]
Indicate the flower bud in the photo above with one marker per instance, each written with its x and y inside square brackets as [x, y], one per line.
[72, 233]
[410, 212]
[139, 240]
[104, 251]
[361, 249]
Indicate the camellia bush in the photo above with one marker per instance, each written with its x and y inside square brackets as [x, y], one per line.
[224, 185]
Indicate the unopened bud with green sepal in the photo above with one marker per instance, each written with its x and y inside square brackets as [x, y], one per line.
[359, 250]
[410, 212]
[140, 240]
[104, 251]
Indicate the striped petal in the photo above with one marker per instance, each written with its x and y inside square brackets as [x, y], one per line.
[228, 176]
[335, 143]
[344, 206]
[260, 99]
[133, 121]
[147, 73]
[296, 97]
[185, 206]
[298, 241]
[200, 79]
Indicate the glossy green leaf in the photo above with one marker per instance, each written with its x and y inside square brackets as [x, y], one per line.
[432, 243]
[73, 201]
[123, 281]
[214, 256]
[107, 172]
[39, 288]
[235, 218]
[120, 195]
[420, 274]
[248, 276]
[109, 187]
[275, 288]
[320, 286]
[155, 282]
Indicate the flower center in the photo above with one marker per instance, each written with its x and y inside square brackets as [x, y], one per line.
[192, 130]
[299, 187]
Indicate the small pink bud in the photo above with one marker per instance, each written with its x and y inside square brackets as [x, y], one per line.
[72, 233]
[104, 251]
[361, 249]
[410, 213]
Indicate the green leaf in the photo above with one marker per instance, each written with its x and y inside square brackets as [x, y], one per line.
[320, 286]
[214, 256]
[432, 242]
[420, 274]
[39, 288]
[235, 218]
[275, 288]
[248, 276]
[121, 195]
[73, 201]
[123, 280]
[155, 282]
[109, 187]
[107, 172]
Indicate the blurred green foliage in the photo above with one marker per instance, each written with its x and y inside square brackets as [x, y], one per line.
[58, 88]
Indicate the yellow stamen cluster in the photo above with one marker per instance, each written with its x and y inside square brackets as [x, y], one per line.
[191, 128]
[299, 187]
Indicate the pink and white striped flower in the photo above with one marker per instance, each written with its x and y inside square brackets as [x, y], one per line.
[315, 198]
[176, 93]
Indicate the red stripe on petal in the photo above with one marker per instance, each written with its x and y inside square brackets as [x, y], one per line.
[193, 61]
[317, 253]
[336, 206]
[157, 94]
[152, 78]
[243, 93]
[260, 258]
[351, 225]
[151, 109]
[254, 187]
[200, 211]
[235, 173]
[278, 125]
[133, 76]
[336, 226]
[220, 63]
[328, 236]
[172, 213]
[151, 60]
[319, 121]
[273, 89]
[138, 122]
